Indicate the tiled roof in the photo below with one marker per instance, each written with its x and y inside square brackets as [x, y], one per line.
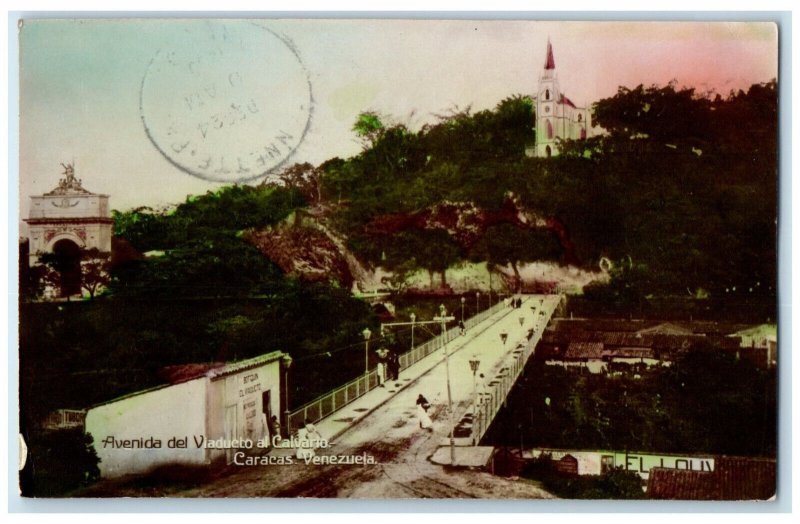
[733, 478]
[625, 338]
[577, 350]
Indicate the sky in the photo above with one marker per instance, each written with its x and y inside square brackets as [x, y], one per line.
[85, 86]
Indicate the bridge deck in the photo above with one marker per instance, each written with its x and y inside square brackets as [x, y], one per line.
[500, 363]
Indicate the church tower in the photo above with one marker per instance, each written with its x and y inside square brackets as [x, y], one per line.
[546, 98]
[557, 117]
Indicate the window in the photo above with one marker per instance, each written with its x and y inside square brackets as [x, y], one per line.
[549, 130]
[547, 94]
[548, 152]
[606, 463]
[580, 117]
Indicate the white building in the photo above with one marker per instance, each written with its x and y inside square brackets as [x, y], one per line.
[178, 423]
[557, 117]
[597, 462]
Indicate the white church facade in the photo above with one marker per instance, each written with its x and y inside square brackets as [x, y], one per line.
[557, 117]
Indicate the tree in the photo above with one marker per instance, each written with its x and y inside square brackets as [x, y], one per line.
[305, 178]
[95, 270]
[369, 128]
[506, 244]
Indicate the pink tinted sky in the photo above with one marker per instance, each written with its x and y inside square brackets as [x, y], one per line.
[79, 83]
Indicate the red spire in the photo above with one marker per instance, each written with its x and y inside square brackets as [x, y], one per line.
[550, 63]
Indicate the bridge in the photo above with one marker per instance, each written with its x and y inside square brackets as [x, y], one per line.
[483, 366]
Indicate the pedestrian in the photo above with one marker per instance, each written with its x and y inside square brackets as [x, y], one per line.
[381, 370]
[423, 405]
[275, 428]
[381, 367]
[303, 450]
[394, 365]
[462, 327]
[481, 389]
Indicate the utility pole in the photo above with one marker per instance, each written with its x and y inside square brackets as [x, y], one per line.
[444, 319]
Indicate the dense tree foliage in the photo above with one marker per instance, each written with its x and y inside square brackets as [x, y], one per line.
[679, 187]
[707, 402]
[201, 294]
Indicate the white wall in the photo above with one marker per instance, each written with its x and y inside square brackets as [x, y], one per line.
[590, 462]
[242, 393]
[172, 412]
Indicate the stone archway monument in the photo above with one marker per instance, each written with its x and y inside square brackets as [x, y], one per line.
[68, 214]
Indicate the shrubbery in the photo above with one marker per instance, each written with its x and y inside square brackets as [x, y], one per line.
[58, 463]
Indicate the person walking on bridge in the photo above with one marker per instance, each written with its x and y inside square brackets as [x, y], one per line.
[423, 405]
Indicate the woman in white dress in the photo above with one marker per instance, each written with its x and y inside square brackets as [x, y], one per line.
[425, 421]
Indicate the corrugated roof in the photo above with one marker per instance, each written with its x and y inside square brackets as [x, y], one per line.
[236, 367]
[666, 328]
[629, 353]
[733, 478]
[746, 478]
[681, 484]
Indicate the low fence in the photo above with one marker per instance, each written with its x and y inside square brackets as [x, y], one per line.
[492, 398]
[335, 400]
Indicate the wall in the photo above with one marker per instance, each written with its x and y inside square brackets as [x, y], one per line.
[590, 462]
[161, 415]
[238, 396]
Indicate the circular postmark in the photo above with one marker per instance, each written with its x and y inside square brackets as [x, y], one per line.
[228, 101]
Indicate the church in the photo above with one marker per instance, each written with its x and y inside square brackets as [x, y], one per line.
[557, 117]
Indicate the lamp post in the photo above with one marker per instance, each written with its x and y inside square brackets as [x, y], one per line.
[443, 318]
[413, 319]
[286, 363]
[473, 365]
[367, 333]
[462, 309]
[477, 302]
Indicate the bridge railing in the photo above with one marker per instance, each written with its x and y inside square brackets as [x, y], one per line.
[336, 399]
[493, 395]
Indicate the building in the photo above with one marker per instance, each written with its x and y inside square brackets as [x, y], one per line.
[205, 417]
[67, 221]
[557, 117]
[597, 462]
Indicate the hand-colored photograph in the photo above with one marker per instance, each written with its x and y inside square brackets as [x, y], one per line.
[398, 259]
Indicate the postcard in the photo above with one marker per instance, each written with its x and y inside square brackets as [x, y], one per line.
[398, 259]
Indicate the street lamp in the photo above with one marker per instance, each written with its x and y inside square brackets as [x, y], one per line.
[477, 302]
[473, 365]
[413, 319]
[367, 333]
[443, 318]
[462, 309]
[286, 363]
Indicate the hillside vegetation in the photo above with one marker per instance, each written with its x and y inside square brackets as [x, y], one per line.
[679, 191]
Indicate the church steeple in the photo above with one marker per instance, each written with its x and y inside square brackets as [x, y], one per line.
[549, 62]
